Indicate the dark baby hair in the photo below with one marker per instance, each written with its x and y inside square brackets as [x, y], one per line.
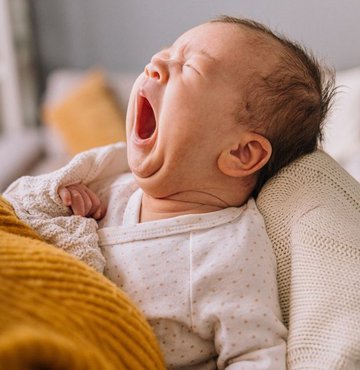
[289, 104]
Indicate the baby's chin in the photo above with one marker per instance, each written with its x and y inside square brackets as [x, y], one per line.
[157, 181]
[155, 187]
[143, 169]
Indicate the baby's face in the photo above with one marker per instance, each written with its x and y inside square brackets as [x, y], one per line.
[181, 112]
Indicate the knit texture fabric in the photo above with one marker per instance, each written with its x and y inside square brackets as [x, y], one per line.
[37, 203]
[57, 313]
[312, 215]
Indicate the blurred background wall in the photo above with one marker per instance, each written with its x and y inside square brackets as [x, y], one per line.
[121, 35]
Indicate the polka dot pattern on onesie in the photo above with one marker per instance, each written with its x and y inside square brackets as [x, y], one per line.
[207, 285]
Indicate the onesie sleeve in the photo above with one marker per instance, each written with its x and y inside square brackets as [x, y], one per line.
[37, 203]
[240, 298]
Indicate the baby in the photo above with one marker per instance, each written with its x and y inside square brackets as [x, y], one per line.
[209, 120]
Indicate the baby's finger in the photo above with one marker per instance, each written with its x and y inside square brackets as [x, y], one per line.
[95, 201]
[65, 196]
[82, 189]
[100, 212]
[77, 202]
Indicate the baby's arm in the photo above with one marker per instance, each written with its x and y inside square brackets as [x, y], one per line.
[239, 297]
[250, 333]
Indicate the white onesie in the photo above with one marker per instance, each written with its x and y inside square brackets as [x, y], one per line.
[206, 283]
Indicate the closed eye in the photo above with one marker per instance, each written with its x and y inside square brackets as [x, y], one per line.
[192, 67]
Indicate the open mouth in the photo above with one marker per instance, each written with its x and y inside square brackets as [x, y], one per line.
[146, 122]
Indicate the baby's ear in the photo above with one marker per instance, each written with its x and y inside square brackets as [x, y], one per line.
[247, 156]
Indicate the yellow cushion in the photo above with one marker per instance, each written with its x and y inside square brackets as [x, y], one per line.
[58, 313]
[89, 116]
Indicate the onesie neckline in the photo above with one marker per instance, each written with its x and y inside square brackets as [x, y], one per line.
[132, 230]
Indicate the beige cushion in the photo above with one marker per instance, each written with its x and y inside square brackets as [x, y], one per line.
[88, 116]
[312, 214]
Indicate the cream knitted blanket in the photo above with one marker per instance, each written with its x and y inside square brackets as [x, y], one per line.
[312, 215]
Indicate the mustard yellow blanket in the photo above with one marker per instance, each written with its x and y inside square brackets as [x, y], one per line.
[57, 313]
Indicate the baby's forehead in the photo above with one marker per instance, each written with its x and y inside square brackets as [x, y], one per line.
[252, 45]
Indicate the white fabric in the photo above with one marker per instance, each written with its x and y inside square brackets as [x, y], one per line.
[312, 215]
[206, 283]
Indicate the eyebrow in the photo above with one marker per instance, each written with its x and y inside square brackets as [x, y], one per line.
[201, 51]
[205, 53]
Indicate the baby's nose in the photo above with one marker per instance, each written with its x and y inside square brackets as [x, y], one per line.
[157, 70]
[151, 72]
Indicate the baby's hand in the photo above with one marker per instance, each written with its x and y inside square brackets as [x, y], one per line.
[82, 201]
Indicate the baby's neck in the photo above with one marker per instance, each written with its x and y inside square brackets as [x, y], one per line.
[178, 205]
